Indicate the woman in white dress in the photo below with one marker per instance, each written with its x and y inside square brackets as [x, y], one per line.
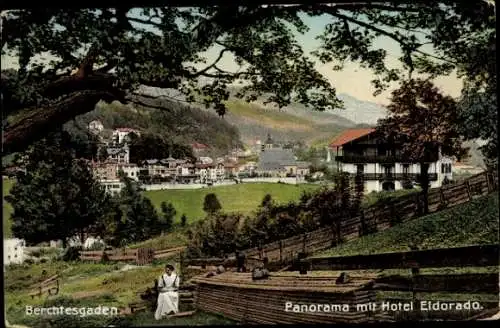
[168, 296]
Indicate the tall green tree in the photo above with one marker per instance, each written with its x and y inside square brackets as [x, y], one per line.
[424, 123]
[57, 197]
[116, 51]
[138, 221]
[211, 204]
[154, 146]
[168, 214]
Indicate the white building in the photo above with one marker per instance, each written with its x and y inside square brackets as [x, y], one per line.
[210, 173]
[120, 155]
[206, 160]
[112, 186]
[13, 251]
[120, 134]
[361, 151]
[130, 170]
[96, 127]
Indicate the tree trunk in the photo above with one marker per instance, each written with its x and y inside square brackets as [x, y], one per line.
[424, 184]
[34, 123]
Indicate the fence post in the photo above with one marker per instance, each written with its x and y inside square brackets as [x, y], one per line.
[469, 194]
[418, 205]
[441, 197]
[281, 251]
[181, 265]
[487, 181]
[304, 237]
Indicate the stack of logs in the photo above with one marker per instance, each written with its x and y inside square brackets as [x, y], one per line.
[237, 296]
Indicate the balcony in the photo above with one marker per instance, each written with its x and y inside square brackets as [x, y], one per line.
[396, 176]
[353, 159]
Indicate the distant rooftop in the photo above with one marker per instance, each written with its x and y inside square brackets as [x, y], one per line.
[125, 130]
[350, 135]
[273, 159]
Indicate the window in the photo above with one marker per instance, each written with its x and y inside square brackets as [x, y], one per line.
[445, 167]
[360, 169]
[388, 170]
[406, 168]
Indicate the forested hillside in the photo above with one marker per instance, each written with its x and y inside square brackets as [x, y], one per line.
[175, 122]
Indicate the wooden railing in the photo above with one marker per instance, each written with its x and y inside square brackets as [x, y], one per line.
[378, 159]
[140, 256]
[50, 285]
[468, 256]
[458, 257]
[396, 176]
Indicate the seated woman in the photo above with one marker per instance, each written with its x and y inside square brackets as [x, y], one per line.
[168, 296]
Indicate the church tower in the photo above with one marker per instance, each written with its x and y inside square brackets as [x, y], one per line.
[269, 142]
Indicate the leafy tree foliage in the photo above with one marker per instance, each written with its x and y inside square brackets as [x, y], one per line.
[183, 220]
[478, 118]
[57, 197]
[211, 204]
[130, 218]
[423, 122]
[168, 215]
[153, 146]
[221, 233]
[114, 51]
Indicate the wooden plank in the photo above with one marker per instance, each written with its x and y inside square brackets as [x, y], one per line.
[483, 255]
[470, 283]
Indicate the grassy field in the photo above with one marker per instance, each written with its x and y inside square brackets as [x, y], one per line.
[7, 208]
[472, 223]
[88, 284]
[243, 198]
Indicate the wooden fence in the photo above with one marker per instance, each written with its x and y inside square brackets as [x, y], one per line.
[376, 218]
[468, 256]
[470, 283]
[140, 256]
[50, 286]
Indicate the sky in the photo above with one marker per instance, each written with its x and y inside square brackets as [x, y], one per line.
[353, 79]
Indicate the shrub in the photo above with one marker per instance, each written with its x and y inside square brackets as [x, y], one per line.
[72, 253]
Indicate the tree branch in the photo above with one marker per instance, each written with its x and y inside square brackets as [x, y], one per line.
[333, 12]
[34, 123]
[203, 71]
[145, 22]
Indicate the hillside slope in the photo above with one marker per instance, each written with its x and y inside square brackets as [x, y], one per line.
[471, 223]
[176, 122]
[256, 121]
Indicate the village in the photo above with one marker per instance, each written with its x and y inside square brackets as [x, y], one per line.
[274, 164]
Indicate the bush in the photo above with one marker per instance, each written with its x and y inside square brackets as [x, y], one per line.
[97, 246]
[105, 258]
[72, 253]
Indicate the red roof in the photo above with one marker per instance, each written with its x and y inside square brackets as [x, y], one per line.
[125, 130]
[350, 135]
[197, 145]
